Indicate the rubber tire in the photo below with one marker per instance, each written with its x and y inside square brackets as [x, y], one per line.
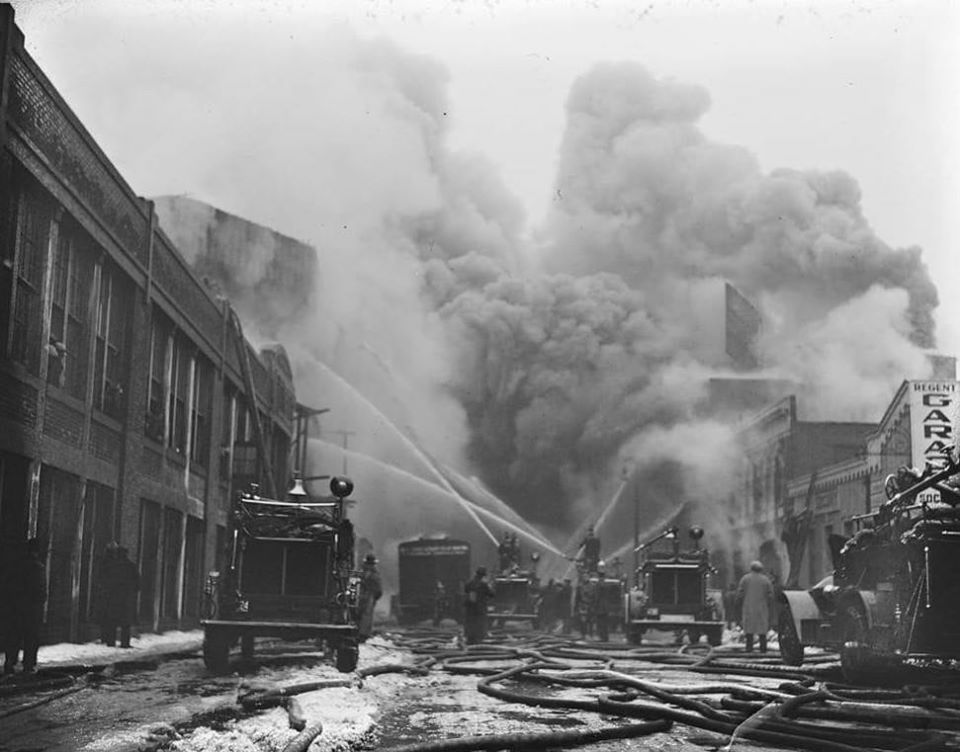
[715, 636]
[347, 657]
[634, 636]
[247, 646]
[791, 648]
[216, 650]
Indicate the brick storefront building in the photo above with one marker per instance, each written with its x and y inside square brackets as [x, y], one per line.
[777, 447]
[123, 411]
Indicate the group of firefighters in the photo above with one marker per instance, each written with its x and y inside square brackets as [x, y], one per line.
[562, 605]
[590, 606]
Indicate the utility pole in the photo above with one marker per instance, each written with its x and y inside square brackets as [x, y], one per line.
[345, 435]
[636, 530]
[304, 415]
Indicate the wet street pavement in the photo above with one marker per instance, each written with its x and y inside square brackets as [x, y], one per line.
[174, 703]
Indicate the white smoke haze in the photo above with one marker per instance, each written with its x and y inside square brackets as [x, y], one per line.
[851, 360]
[437, 329]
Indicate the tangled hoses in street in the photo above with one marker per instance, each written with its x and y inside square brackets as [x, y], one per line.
[805, 711]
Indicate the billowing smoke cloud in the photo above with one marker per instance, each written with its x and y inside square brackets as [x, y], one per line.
[440, 333]
[642, 193]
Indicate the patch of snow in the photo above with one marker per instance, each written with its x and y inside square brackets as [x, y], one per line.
[140, 647]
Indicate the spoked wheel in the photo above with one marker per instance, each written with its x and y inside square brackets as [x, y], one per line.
[791, 649]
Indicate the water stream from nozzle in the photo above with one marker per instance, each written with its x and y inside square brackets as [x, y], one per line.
[436, 488]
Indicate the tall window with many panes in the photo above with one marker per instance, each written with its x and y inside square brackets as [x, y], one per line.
[161, 346]
[114, 310]
[200, 407]
[67, 350]
[34, 231]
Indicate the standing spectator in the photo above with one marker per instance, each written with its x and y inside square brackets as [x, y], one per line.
[755, 594]
[25, 590]
[117, 589]
[371, 588]
[105, 603]
[128, 584]
[477, 592]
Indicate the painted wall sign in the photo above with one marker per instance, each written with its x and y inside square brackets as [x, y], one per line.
[933, 425]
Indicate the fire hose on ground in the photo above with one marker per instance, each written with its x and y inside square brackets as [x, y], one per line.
[808, 709]
[909, 720]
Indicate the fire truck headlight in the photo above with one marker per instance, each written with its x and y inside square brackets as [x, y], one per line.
[696, 533]
[341, 487]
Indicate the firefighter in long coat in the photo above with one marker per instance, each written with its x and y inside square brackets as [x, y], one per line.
[24, 590]
[477, 592]
[755, 596]
[371, 588]
[119, 583]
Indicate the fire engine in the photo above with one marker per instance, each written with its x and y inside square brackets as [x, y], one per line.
[289, 575]
[673, 595]
[432, 573]
[895, 590]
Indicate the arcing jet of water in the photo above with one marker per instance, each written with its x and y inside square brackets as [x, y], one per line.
[412, 446]
[435, 488]
[517, 524]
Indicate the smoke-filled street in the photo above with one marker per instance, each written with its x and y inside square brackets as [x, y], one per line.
[434, 376]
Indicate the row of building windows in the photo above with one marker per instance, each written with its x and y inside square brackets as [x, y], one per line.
[87, 349]
[90, 301]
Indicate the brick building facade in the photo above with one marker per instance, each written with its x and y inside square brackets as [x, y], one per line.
[777, 448]
[123, 409]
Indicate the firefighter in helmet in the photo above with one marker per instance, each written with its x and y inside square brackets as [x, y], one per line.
[371, 588]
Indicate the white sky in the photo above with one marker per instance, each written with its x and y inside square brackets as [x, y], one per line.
[872, 88]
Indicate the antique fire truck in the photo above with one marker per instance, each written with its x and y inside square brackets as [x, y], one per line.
[289, 575]
[895, 590]
[673, 594]
[432, 573]
[516, 595]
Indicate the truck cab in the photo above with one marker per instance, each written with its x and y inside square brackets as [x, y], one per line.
[674, 591]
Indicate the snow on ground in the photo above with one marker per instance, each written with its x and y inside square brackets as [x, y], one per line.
[348, 714]
[144, 646]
